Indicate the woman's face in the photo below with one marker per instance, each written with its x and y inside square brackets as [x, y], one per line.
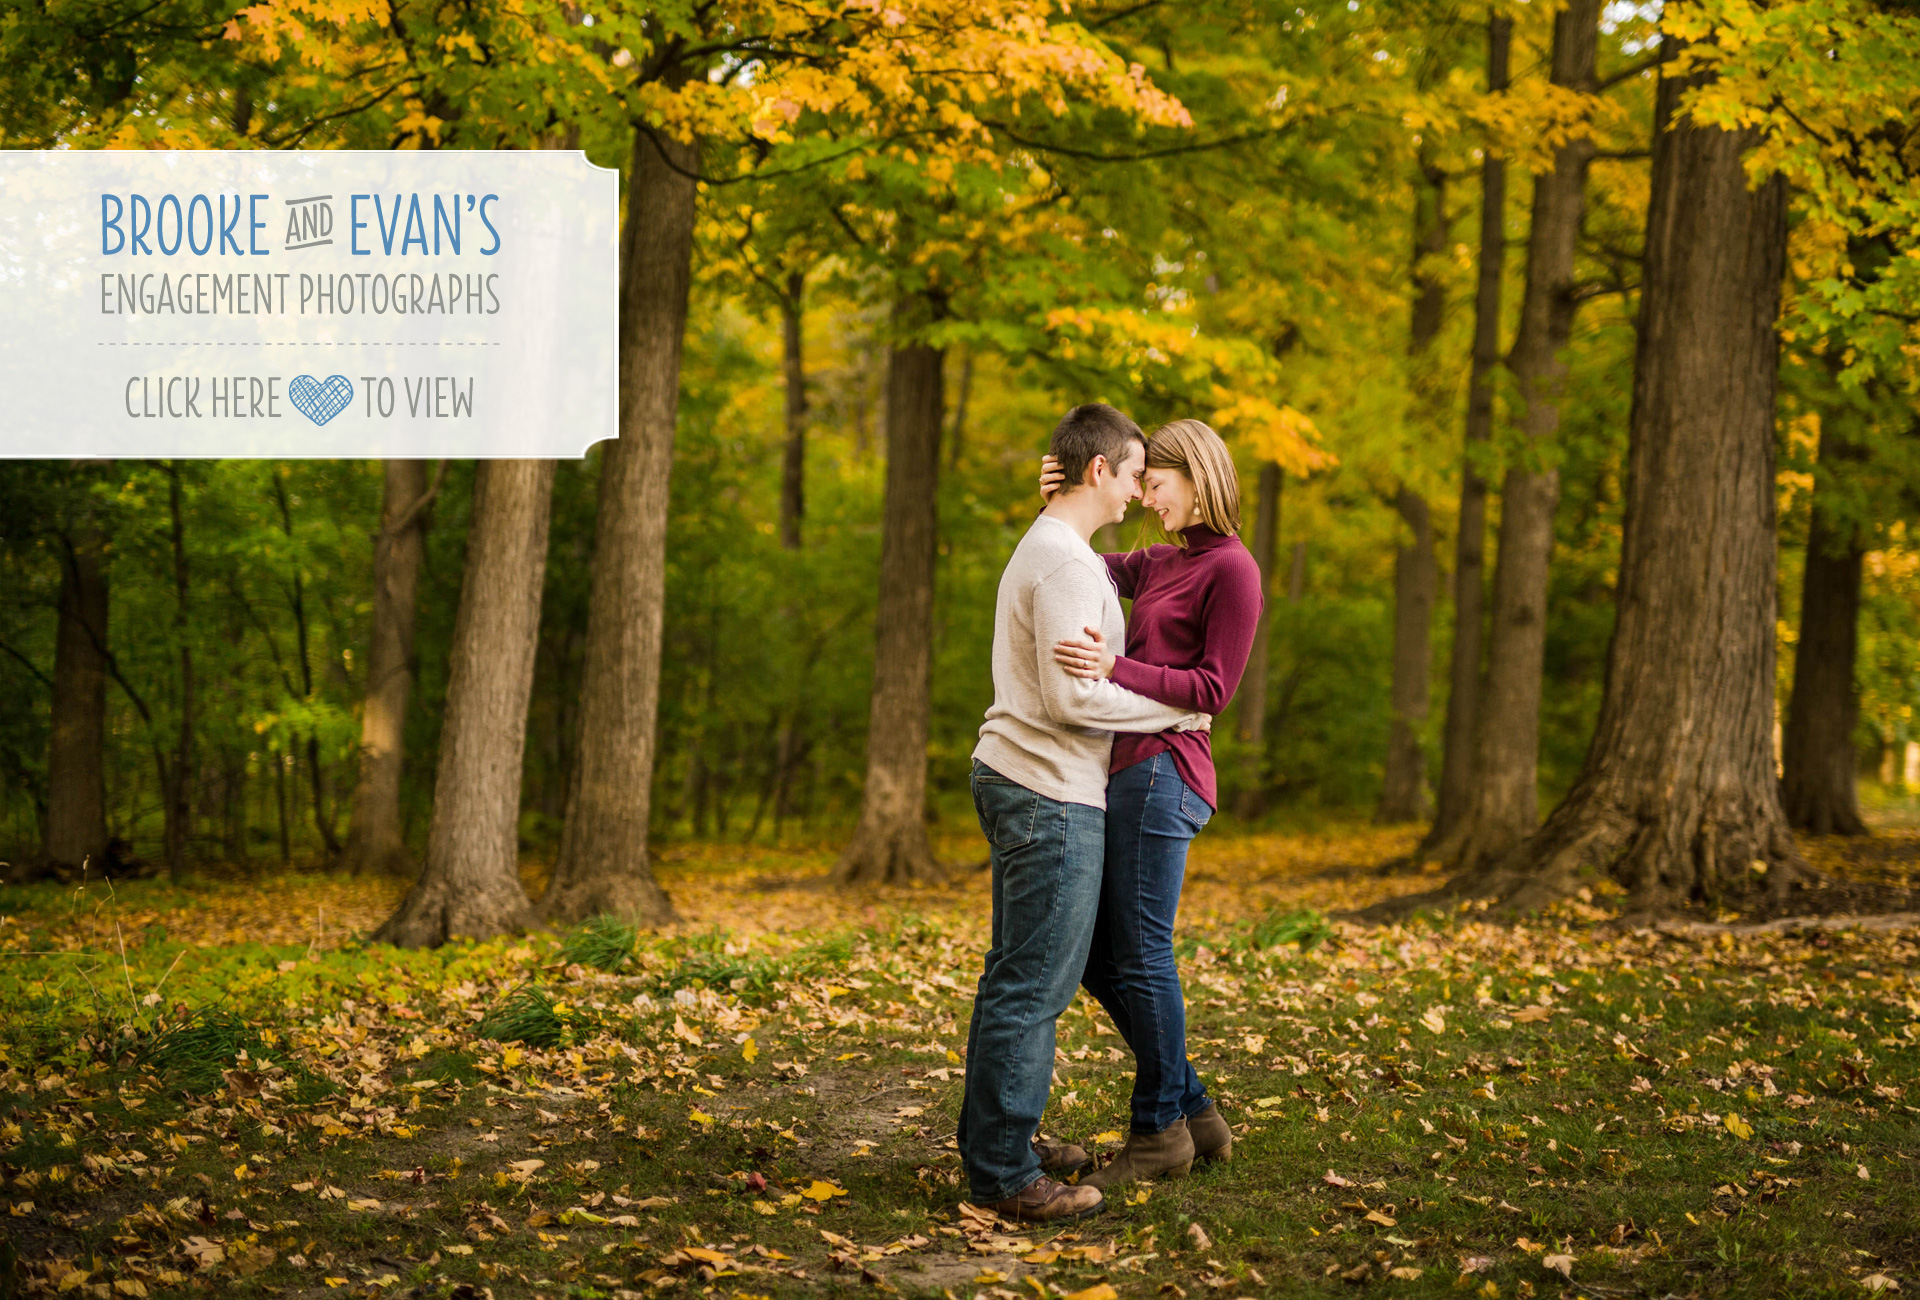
[1170, 494]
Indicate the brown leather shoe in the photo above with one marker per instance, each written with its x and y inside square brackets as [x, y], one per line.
[1212, 1139]
[1048, 1202]
[1166, 1154]
[1062, 1159]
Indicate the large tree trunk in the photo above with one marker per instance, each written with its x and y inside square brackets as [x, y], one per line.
[1817, 761]
[1504, 807]
[77, 749]
[374, 841]
[176, 776]
[1470, 541]
[793, 474]
[603, 865]
[1252, 723]
[1416, 581]
[1678, 800]
[1403, 788]
[891, 843]
[470, 886]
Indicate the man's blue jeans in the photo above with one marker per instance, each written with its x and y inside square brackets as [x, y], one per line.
[1046, 890]
[1152, 815]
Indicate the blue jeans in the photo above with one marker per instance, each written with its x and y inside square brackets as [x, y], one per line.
[1151, 817]
[1046, 889]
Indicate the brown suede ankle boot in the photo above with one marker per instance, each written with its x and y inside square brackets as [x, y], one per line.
[1166, 1154]
[1212, 1139]
[1061, 1159]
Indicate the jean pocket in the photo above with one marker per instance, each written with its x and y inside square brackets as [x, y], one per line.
[1195, 809]
[1008, 811]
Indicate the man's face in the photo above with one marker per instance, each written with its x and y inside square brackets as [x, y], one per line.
[1119, 486]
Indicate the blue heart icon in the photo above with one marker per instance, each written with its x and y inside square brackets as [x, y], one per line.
[320, 399]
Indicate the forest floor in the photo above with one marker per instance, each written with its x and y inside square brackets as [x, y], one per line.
[221, 1089]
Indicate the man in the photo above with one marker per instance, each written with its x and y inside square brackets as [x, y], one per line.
[1040, 787]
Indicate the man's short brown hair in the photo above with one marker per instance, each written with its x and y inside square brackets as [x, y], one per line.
[1088, 430]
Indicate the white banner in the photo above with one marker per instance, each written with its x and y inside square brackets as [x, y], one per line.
[354, 304]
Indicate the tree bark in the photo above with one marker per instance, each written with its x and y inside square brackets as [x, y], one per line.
[793, 477]
[77, 748]
[1251, 725]
[1403, 788]
[470, 886]
[1416, 581]
[1678, 800]
[603, 864]
[1503, 807]
[374, 840]
[891, 843]
[1818, 760]
[1470, 541]
[176, 785]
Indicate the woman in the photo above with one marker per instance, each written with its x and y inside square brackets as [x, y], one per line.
[1196, 603]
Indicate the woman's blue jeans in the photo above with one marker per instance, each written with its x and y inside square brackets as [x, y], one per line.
[1151, 817]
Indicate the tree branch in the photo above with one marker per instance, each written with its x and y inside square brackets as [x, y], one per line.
[30, 665]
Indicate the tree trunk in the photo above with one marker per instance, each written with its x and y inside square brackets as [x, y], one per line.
[1504, 807]
[793, 477]
[374, 841]
[1403, 788]
[470, 886]
[1416, 581]
[1470, 542]
[1252, 722]
[1678, 800]
[177, 776]
[282, 798]
[603, 865]
[329, 841]
[1818, 761]
[77, 749]
[891, 843]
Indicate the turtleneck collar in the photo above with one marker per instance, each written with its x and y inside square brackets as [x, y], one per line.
[1201, 538]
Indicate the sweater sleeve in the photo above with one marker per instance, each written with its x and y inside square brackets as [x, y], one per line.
[1067, 602]
[1231, 618]
[1124, 568]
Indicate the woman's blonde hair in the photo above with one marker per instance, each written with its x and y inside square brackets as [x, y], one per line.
[1197, 451]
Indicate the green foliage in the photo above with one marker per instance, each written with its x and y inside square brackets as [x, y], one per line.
[197, 1049]
[603, 942]
[1301, 926]
[528, 1014]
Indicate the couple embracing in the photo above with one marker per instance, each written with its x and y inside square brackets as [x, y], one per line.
[1093, 772]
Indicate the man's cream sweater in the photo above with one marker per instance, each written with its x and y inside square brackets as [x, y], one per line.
[1049, 730]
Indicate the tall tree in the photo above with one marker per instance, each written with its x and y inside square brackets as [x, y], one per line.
[470, 885]
[176, 777]
[1416, 574]
[1470, 538]
[1416, 582]
[76, 752]
[890, 843]
[1817, 756]
[1678, 799]
[603, 864]
[793, 368]
[374, 840]
[1503, 808]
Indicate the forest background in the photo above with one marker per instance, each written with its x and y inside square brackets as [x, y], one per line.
[1393, 251]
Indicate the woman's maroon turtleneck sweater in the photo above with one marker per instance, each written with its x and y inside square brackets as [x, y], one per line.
[1195, 609]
